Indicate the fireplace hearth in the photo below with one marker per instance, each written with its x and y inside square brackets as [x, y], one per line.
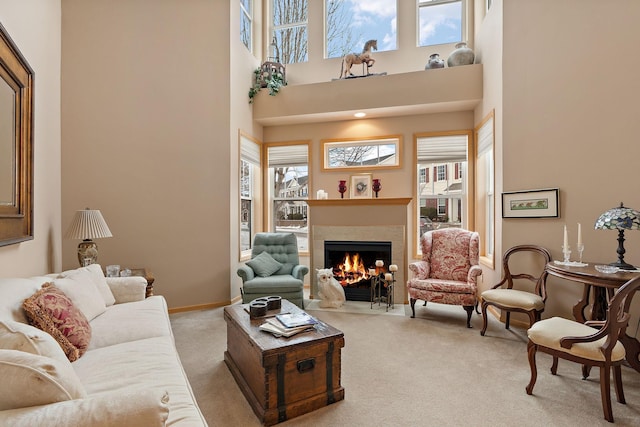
[354, 264]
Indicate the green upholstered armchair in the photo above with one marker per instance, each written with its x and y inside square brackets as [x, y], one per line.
[274, 269]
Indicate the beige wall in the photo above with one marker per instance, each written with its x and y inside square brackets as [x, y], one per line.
[146, 138]
[570, 121]
[34, 26]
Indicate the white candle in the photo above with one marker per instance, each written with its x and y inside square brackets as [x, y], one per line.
[319, 194]
[372, 272]
[579, 234]
[393, 267]
[388, 276]
[379, 263]
[566, 239]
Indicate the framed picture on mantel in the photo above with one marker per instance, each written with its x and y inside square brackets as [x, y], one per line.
[360, 187]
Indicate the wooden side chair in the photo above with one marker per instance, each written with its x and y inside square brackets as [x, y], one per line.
[590, 346]
[505, 298]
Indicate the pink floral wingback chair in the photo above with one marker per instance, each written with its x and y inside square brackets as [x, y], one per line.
[448, 271]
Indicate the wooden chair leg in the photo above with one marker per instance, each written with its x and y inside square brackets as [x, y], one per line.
[507, 320]
[532, 317]
[413, 307]
[617, 380]
[554, 365]
[586, 370]
[605, 391]
[484, 318]
[531, 351]
[469, 310]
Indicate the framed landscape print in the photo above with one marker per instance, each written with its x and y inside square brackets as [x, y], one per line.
[360, 187]
[530, 204]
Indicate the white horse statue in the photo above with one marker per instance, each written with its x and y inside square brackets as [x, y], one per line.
[351, 59]
[330, 290]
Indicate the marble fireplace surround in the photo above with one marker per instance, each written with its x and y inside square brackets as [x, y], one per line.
[369, 220]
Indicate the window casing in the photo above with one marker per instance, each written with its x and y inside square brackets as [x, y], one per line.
[288, 177]
[485, 189]
[289, 20]
[246, 23]
[441, 21]
[442, 201]
[249, 193]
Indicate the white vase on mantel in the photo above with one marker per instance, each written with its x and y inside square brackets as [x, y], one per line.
[462, 55]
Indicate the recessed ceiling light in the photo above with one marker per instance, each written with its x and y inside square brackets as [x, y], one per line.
[360, 115]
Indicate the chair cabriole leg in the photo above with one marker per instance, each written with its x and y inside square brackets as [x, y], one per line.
[469, 310]
[531, 351]
[484, 318]
[413, 307]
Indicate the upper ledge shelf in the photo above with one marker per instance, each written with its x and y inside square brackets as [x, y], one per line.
[418, 92]
[359, 202]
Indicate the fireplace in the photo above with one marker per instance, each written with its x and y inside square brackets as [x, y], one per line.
[360, 220]
[353, 264]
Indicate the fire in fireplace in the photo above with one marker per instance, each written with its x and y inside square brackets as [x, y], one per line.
[351, 262]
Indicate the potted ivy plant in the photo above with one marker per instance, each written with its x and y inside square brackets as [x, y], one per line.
[272, 81]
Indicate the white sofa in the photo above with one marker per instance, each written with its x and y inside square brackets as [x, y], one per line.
[130, 374]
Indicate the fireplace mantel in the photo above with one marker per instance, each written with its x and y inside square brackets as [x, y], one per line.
[382, 219]
[359, 202]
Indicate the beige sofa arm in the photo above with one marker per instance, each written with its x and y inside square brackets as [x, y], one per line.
[116, 408]
[128, 289]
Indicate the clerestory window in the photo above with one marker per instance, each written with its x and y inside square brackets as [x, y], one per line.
[289, 28]
[246, 18]
[349, 24]
[441, 21]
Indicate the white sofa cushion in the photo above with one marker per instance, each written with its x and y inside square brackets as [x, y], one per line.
[148, 408]
[138, 365]
[15, 290]
[20, 336]
[128, 289]
[80, 289]
[98, 279]
[130, 322]
[30, 380]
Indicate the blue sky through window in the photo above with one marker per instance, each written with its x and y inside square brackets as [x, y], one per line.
[350, 23]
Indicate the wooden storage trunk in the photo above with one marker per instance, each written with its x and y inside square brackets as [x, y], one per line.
[283, 378]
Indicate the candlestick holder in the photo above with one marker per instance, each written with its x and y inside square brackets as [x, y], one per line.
[580, 249]
[566, 252]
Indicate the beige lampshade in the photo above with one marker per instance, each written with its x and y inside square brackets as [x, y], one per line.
[88, 224]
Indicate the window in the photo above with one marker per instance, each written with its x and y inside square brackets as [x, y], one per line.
[423, 176]
[289, 20]
[289, 189]
[375, 152]
[458, 171]
[350, 24]
[441, 21]
[249, 192]
[245, 22]
[485, 198]
[443, 201]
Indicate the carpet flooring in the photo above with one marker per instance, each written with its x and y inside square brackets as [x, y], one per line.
[427, 371]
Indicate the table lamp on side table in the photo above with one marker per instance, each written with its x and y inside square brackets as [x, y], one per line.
[620, 218]
[88, 224]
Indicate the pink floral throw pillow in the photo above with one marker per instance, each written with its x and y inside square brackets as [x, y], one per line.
[52, 311]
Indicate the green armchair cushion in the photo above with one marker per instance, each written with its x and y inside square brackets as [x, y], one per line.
[264, 265]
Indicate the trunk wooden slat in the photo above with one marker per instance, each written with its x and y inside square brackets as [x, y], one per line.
[283, 378]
